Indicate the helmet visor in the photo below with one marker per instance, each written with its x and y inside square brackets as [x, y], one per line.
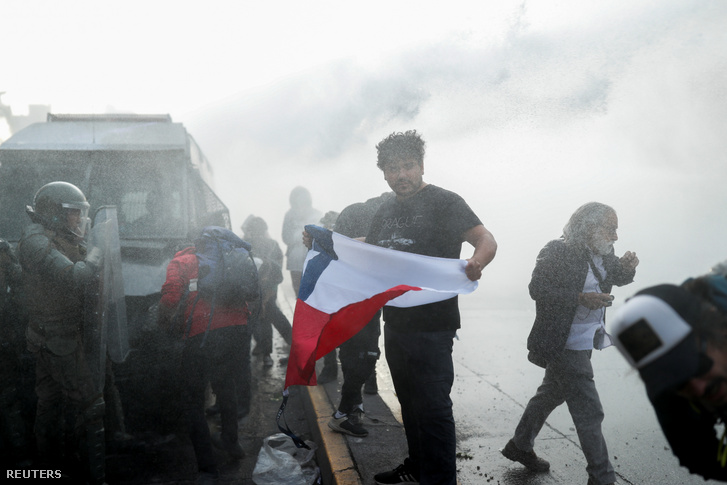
[76, 214]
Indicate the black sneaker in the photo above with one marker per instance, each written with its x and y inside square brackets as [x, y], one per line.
[529, 459]
[348, 424]
[400, 474]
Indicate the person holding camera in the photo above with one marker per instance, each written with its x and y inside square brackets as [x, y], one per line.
[571, 286]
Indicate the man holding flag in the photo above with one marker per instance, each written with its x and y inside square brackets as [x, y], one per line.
[412, 266]
[427, 220]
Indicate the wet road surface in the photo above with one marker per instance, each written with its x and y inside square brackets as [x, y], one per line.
[494, 381]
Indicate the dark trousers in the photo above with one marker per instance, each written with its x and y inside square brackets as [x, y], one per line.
[270, 316]
[423, 372]
[358, 356]
[570, 380]
[243, 382]
[219, 362]
[61, 381]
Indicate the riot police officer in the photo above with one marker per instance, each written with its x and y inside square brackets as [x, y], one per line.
[13, 405]
[55, 273]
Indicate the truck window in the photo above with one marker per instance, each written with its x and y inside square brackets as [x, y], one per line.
[147, 190]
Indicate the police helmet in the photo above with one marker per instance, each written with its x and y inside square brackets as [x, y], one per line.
[54, 202]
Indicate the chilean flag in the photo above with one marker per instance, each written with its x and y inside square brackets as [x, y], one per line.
[345, 282]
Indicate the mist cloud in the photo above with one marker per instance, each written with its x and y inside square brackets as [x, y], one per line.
[532, 77]
[629, 109]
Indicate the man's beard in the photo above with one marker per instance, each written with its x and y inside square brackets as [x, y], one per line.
[602, 247]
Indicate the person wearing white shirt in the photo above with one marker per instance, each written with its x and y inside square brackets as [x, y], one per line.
[571, 286]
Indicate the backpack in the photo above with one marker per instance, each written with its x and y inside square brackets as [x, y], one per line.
[227, 274]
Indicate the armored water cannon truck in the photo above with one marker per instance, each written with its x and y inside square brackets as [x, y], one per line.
[153, 172]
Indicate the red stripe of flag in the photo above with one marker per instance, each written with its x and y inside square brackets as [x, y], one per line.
[316, 333]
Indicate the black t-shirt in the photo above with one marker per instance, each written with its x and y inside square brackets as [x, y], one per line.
[432, 222]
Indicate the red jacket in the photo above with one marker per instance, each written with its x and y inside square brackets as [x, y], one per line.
[182, 274]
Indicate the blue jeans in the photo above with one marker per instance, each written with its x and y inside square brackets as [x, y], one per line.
[422, 370]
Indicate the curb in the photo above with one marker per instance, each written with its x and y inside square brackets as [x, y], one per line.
[333, 454]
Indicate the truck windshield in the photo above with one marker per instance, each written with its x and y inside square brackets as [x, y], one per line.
[147, 189]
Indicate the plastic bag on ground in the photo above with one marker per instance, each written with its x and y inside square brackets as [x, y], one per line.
[281, 463]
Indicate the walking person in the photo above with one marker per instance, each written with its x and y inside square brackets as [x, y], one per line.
[571, 286]
[255, 231]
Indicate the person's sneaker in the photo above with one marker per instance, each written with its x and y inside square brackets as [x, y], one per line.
[348, 424]
[232, 449]
[400, 474]
[529, 459]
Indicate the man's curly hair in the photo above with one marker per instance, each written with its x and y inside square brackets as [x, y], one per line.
[400, 146]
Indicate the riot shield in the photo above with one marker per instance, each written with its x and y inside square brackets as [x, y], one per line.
[106, 331]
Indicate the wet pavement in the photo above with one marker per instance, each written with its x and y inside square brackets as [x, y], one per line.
[493, 383]
[169, 459]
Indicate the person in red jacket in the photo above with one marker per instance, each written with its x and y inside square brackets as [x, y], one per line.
[213, 352]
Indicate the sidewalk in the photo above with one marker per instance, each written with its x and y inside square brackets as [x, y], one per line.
[347, 460]
[166, 460]
[343, 460]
